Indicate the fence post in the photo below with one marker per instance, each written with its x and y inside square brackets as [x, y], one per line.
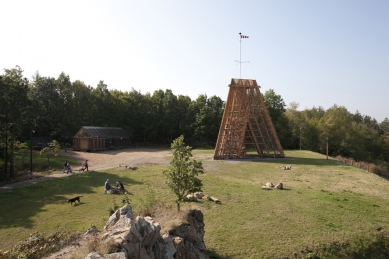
[368, 167]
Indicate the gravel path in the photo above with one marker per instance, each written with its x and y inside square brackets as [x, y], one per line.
[112, 158]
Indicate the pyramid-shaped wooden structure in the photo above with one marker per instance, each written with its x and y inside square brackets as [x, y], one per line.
[246, 122]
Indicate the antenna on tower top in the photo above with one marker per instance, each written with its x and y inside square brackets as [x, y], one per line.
[241, 36]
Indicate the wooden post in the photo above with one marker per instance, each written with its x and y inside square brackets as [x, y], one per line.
[327, 147]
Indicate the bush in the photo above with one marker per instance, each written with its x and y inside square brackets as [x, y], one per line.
[38, 245]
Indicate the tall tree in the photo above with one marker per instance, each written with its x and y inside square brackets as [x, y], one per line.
[276, 108]
[158, 113]
[170, 119]
[14, 114]
[335, 124]
[185, 117]
[67, 110]
[274, 103]
[295, 124]
[45, 92]
[384, 126]
[82, 115]
[309, 128]
[208, 119]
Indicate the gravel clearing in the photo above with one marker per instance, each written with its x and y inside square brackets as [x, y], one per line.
[113, 158]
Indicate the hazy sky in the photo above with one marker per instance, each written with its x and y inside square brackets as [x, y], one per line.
[316, 53]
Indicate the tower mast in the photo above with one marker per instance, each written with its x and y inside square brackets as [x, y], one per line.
[240, 53]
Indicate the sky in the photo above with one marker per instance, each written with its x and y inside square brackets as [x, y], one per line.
[314, 53]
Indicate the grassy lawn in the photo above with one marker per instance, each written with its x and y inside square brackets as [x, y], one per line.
[324, 201]
[40, 165]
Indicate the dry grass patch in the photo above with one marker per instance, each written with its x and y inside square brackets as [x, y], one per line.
[168, 216]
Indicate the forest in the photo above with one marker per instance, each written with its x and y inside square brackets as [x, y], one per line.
[58, 107]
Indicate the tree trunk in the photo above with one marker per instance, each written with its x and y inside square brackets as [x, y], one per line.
[48, 159]
[5, 176]
[12, 156]
[178, 206]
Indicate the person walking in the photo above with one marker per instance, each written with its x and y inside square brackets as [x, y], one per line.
[86, 165]
[69, 169]
[65, 166]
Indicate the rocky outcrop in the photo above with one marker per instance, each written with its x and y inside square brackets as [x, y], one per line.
[270, 186]
[279, 186]
[189, 238]
[200, 195]
[140, 238]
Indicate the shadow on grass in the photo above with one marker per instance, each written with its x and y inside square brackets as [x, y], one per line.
[295, 161]
[213, 255]
[20, 205]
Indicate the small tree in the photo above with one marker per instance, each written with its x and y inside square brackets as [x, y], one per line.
[23, 147]
[181, 175]
[52, 149]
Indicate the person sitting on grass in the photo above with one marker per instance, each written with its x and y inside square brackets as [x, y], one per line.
[108, 187]
[120, 187]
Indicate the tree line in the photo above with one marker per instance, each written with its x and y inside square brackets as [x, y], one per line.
[347, 134]
[58, 107]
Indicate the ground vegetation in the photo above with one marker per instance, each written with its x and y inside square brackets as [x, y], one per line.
[327, 209]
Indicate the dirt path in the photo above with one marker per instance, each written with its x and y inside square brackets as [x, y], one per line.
[112, 158]
[104, 160]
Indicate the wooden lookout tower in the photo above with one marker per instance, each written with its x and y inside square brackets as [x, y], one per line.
[246, 123]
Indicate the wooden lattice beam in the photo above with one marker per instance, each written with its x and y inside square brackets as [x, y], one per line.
[246, 121]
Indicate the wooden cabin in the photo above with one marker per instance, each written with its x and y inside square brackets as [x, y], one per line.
[91, 138]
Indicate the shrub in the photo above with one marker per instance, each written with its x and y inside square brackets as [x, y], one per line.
[38, 245]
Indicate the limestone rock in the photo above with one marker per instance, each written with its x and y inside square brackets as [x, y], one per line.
[279, 186]
[269, 184]
[214, 199]
[141, 239]
[92, 230]
[191, 197]
[199, 195]
[205, 197]
[95, 255]
[188, 237]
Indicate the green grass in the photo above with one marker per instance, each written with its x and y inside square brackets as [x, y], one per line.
[40, 165]
[324, 202]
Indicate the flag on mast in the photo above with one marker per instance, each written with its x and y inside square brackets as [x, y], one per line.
[243, 36]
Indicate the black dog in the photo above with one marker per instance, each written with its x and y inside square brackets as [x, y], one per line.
[74, 200]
